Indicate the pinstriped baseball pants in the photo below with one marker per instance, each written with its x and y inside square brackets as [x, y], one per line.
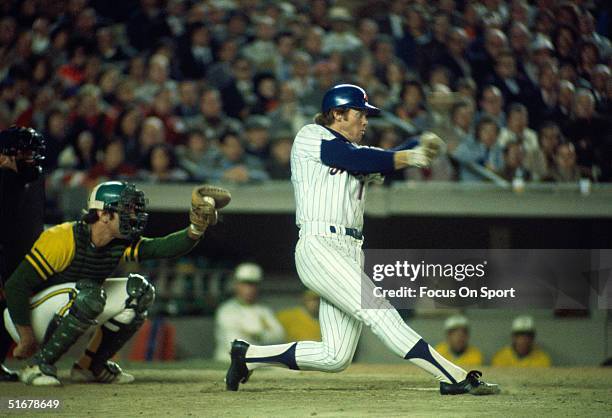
[332, 266]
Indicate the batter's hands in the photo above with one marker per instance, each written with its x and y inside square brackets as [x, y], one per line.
[432, 144]
[416, 157]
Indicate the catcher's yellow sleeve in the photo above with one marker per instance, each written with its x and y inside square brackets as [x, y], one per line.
[53, 250]
[131, 253]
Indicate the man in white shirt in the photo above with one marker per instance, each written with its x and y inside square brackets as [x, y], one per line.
[241, 317]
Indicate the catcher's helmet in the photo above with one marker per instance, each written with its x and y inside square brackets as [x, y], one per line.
[347, 96]
[125, 200]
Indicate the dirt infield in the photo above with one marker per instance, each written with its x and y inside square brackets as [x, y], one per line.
[196, 389]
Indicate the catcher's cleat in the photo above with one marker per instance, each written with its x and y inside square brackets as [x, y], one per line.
[109, 372]
[471, 384]
[40, 375]
[8, 375]
[238, 371]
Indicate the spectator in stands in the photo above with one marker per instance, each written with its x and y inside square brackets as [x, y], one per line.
[565, 102]
[108, 49]
[492, 105]
[459, 128]
[506, 79]
[262, 50]
[412, 105]
[160, 166]
[187, 106]
[212, 120]
[234, 165]
[522, 352]
[518, 131]
[158, 78]
[266, 91]
[589, 133]
[457, 347]
[197, 156]
[195, 53]
[340, 38]
[482, 151]
[243, 317]
[565, 169]
[601, 81]
[549, 138]
[545, 105]
[241, 88]
[112, 166]
[513, 165]
[278, 165]
[56, 138]
[257, 136]
[454, 57]
[301, 323]
[151, 133]
[484, 57]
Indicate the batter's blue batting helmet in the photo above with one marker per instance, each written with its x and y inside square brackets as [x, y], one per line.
[347, 96]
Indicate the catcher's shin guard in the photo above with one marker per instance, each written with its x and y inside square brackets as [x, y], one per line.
[88, 303]
[113, 334]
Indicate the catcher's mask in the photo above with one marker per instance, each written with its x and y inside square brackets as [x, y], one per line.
[126, 201]
[28, 148]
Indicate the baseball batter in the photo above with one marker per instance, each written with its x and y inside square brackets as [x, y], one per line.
[330, 174]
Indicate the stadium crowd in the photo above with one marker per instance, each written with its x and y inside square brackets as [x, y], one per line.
[183, 90]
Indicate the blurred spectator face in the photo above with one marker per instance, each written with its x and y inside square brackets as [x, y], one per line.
[287, 93]
[23, 47]
[458, 339]
[513, 156]
[188, 93]
[600, 77]
[210, 104]
[441, 26]
[197, 143]
[41, 71]
[492, 101]
[137, 68]
[589, 55]
[415, 20]
[506, 66]
[394, 74]
[228, 51]
[541, 56]
[457, 41]
[92, 69]
[544, 23]
[160, 160]
[57, 124]
[549, 140]
[301, 66]
[232, 149]
[105, 39]
[495, 42]
[237, 25]
[257, 137]
[125, 92]
[522, 343]
[281, 151]
[487, 134]
[130, 123]
[412, 96]
[384, 53]
[285, 45]
[267, 88]
[85, 143]
[158, 69]
[200, 37]
[567, 71]
[566, 94]
[439, 76]
[86, 21]
[565, 42]
[519, 12]
[242, 69]
[517, 120]
[8, 31]
[584, 105]
[246, 292]
[314, 41]
[162, 103]
[265, 30]
[519, 38]
[463, 117]
[114, 155]
[109, 81]
[565, 157]
[587, 24]
[549, 77]
[389, 139]
[88, 104]
[152, 133]
[470, 15]
[368, 30]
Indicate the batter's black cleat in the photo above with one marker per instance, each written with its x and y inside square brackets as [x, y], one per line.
[7, 375]
[472, 385]
[238, 372]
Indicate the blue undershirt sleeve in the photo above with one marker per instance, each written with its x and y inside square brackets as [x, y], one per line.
[346, 156]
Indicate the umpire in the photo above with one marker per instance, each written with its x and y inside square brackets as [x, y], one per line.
[22, 203]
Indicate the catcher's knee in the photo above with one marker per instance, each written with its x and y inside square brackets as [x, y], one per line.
[141, 294]
[89, 301]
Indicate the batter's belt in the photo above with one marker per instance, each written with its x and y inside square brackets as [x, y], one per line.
[326, 229]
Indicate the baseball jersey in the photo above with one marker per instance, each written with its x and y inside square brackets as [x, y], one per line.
[325, 193]
[506, 357]
[471, 357]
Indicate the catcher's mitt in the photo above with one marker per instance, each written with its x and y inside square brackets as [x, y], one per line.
[205, 200]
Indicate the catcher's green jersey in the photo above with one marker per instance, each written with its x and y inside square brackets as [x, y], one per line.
[64, 253]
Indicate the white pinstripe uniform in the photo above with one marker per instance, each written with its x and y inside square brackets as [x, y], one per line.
[329, 260]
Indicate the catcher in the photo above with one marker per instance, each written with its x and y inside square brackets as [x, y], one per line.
[62, 288]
